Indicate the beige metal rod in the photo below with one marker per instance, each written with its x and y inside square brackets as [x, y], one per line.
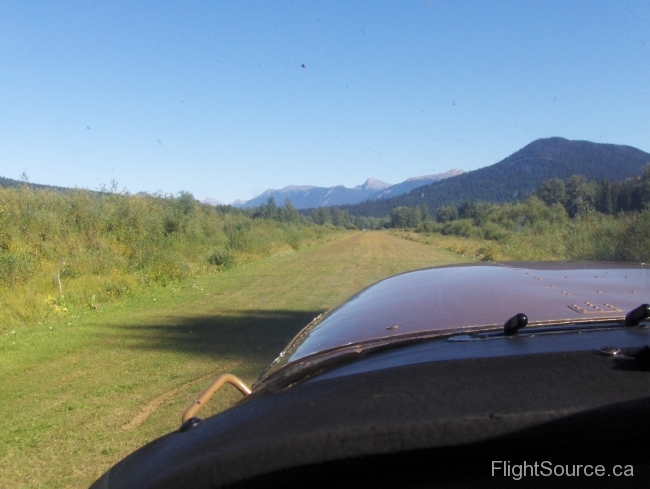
[207, 394]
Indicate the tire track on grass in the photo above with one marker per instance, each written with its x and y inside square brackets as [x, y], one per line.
[151, 407]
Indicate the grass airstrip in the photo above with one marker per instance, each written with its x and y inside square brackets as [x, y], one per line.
[80, 392]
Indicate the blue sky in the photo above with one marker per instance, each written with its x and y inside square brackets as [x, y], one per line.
[211, 96]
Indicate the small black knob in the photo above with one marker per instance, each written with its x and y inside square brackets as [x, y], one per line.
[637, 315]
[514, 324]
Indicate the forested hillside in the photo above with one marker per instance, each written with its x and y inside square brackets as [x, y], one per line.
[10, 182]
[519, 175]
[582, 220]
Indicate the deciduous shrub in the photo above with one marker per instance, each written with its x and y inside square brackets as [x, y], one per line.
[102, 246]
[222, 258]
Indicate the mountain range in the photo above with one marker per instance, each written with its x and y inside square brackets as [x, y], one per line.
[519, 174]
[308, 196]
[510, 179]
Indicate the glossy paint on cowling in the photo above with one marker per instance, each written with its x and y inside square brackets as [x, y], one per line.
[470, 297]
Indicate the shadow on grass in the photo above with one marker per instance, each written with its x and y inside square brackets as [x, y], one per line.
[255, 336]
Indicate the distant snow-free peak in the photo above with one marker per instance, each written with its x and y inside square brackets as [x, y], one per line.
[211, 201]
[372, 184]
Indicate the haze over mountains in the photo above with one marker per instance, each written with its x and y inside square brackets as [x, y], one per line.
[308, 196]
[519, 175]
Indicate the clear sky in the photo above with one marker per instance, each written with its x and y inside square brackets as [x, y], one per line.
[228, 98]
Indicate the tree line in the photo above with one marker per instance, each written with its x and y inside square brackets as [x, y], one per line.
[516, 177]
[577, 196]
[576, 220]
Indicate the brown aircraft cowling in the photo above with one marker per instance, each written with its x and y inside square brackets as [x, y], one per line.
[464, 298]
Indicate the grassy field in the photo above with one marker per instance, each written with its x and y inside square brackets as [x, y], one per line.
[79, 393]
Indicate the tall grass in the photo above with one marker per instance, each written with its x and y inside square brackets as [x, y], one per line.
[64, 250]
[531, 230]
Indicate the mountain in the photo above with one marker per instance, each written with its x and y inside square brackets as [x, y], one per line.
[306, 196]
[411, 183]
[373, 184]
[519, 174]
[211, 201]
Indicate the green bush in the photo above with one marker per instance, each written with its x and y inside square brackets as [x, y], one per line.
[462, 227]
[293, 240]
[16, 268]
[494, 232]
[634, 243]
[222, 258]
[532, 230]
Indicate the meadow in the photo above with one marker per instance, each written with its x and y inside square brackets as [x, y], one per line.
[82, 389]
